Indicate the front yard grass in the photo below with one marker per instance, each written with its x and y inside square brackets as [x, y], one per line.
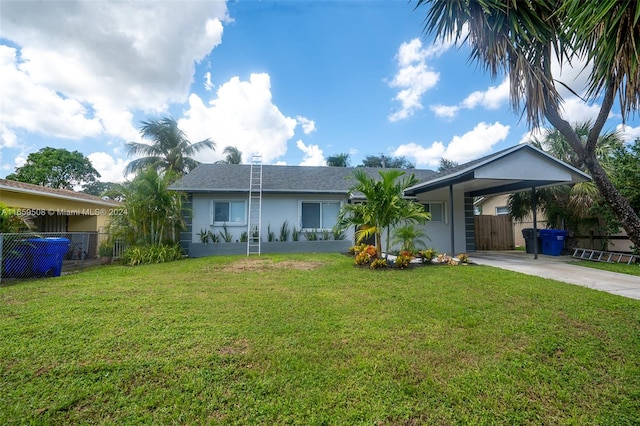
[309, 339]
[623, 268]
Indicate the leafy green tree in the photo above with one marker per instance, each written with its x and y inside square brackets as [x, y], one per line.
[233, 156]
[625, 172]
[101, 189]
[56, 168]
[385, 162]
[519, 39]
[169, 151]
[384, 208]
[446, 164]
[154, 213]
[338, 160]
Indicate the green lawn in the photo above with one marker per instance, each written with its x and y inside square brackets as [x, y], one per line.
[313, 340]
[623, 268]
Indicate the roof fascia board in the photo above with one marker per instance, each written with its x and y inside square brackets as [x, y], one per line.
[59, 196]
[516, 187]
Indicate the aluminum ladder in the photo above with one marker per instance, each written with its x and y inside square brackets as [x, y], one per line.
[605, 256]
[254, 224]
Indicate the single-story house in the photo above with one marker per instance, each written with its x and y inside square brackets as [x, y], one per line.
[57, 210]
[310, 198]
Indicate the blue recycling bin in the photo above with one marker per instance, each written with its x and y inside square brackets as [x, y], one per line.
[16, 262]
[552, 241]
[47, 255]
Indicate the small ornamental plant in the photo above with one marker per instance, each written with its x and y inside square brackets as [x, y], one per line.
[378, 264]
[428, 255]
[463, 257]
[366, 255]
[357, 248]
[403, 260]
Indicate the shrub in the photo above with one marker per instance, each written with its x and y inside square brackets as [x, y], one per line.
[338, 234]
[284, 231]
[428, 255]
[326, 234]
[357, 248]
[295, 234]
[403, 260]
[271, 236]
[378, 264]
[311, 235]
[145, 255]
[105, 249]
[463, 257]
[225, 234]
[362, 258]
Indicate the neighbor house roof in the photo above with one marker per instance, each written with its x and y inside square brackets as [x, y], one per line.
[27, 188]
[278, 179]
[513, 169]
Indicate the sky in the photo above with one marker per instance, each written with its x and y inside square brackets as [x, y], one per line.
[293, 81]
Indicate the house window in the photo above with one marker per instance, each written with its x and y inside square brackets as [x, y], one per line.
[319, 215]
[230, 212]
[436, 210]
[502, 210]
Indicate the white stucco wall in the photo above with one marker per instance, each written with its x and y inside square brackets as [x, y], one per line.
[276, 209]
[440, 232]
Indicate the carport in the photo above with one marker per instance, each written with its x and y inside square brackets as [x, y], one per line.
[520, 168]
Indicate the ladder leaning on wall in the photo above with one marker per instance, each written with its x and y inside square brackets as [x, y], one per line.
[254, 224]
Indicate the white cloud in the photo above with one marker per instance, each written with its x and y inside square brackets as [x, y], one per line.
[414, 78]
[83, 65]
[313, 155]
[476, 142]
[461, 149]
[8, 138]
[308, 126]
[492, 98]
[242, 115]
[429, 157]
[575, 110]
[629, 134]
[110, 169]
[445, 111]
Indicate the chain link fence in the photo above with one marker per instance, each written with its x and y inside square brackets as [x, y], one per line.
[46, 254]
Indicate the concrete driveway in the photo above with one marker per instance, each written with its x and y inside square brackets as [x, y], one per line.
[559, 268]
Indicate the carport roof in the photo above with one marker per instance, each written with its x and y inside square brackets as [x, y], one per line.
[513, 169]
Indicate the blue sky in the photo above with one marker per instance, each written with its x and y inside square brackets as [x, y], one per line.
[295, 81]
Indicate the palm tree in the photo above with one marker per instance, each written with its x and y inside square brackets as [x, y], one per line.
[234, 156]
[338, 160]
[154, 213]
[170, 150]
[385, 205]
[519, 39]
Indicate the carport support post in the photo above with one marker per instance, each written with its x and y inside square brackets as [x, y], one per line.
[534, 213]
[453, 235]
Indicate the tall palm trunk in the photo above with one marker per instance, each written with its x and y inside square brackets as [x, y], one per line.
[587, 154]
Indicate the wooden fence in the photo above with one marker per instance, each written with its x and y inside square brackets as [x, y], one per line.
[494, 232]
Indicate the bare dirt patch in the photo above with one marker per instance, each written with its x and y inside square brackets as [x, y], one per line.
[263, 264]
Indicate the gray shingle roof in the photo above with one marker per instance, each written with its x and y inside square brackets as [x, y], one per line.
[278, 179]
